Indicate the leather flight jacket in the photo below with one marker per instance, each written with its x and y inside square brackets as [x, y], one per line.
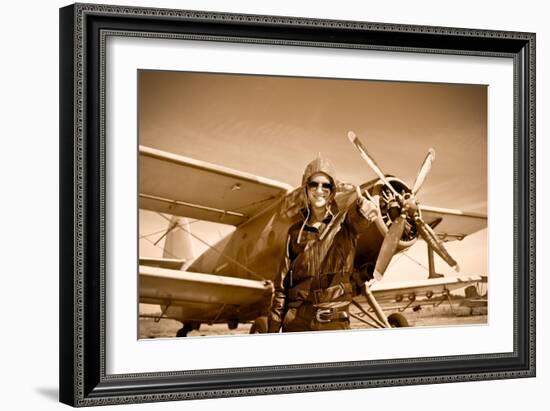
[315, 275]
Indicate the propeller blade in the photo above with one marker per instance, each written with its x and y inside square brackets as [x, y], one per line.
[369, 160]
[424, 170]
[435, 243]
[389, 245]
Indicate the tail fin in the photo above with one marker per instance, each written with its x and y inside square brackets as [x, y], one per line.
[179, 243]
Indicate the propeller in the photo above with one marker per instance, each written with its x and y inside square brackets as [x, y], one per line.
[409, 207]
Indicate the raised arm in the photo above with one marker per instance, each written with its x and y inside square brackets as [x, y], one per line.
[361, 214]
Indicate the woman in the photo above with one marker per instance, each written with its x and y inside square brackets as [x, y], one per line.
[313, 289]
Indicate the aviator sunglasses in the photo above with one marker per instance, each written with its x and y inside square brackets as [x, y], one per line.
[312, 185]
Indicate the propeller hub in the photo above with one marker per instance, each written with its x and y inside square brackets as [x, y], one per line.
[394, 210]
[410, 205]
[392, 207]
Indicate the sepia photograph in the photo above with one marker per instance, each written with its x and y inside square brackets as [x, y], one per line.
[277, 204]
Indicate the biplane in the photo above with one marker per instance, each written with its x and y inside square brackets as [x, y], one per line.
[232, 281]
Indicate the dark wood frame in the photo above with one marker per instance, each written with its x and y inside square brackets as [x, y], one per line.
[83, 29]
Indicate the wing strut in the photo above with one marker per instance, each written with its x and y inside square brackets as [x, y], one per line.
[378, 323]
[375, 306]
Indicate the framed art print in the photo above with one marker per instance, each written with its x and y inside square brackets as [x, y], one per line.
[244, 195]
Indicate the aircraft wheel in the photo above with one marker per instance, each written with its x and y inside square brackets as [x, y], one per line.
[187, 327]
[397, 320]
[259, 326]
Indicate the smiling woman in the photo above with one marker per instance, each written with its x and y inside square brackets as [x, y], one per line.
[314, 286]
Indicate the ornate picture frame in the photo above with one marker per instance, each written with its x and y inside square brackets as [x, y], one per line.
[84, 376]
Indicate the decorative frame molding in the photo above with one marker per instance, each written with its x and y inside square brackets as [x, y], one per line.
[83, 31]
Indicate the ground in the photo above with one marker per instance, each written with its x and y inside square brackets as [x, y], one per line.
[427, 316]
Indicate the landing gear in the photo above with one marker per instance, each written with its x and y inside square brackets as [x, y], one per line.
[259, 326]
[397, 320]
[431, 264]
[187, 327]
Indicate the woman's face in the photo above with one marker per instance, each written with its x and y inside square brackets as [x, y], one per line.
[319, 190]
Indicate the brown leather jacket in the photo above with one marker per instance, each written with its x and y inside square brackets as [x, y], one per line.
[317, 265]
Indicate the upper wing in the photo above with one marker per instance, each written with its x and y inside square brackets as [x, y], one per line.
[179, 185]
[200, 296]
[451, 224]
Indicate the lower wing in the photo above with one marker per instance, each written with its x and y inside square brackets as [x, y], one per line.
[170, 263]
[405, 293]
[189, 296]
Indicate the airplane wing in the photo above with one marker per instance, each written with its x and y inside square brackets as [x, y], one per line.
[170, 263]
[201, 294]
[398, 294]
[451, 224]
[182, 186]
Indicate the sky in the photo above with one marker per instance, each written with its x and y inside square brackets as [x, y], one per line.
[273, 126]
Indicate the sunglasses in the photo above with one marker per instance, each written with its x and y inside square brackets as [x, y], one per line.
[313, 185]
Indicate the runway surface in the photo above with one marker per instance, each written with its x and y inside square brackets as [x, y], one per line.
[427, 317]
